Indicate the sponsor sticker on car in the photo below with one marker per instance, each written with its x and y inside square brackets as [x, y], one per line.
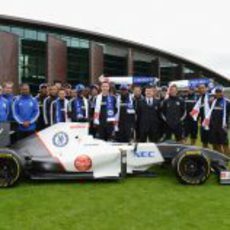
[60, 139]
[83, 163]
[193, 152]
[144, 154]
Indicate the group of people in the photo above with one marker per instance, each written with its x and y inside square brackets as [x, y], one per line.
[128, 113]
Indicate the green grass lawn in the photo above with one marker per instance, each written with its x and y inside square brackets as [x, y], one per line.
[133, 203]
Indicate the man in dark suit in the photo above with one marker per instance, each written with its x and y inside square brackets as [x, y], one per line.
[148, 113]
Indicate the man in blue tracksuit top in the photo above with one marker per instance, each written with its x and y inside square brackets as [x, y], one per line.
[25, 111]
[9, 96]
[4, 108]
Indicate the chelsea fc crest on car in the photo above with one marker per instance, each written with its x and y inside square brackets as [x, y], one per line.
[60, 139]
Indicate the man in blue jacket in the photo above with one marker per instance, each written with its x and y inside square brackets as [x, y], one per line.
[4, 108]
[25, 111]
[9, 96]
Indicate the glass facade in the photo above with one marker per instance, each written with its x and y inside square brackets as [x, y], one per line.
[142, 68]
[115, 60]
[143, 64]
[114, 65]
[78, 65]
[168, 71]
[33, 58]
[32, 62]
[33, 55]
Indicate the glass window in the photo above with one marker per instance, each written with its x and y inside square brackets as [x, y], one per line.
[4, 28]
[41, 36]
[31, 34]
[17, 30]
[142, 68]
[78, 65]
[115, 65]
[75, 42]
[67, 40]
[84, 43]
[32, 63]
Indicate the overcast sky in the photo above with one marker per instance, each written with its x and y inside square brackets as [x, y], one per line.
[198, 30]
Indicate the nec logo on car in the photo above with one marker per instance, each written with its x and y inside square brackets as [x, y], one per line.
[60, 139]
[144, 154]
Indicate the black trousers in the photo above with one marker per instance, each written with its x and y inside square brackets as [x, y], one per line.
[204, 135]
[125, 133]
[218, 136]
[177, 130]
[92, 129]
[151, 134]
[105, 131]
[190, 128]
[23, 134]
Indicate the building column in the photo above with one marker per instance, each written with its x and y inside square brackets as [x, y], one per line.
[130, 61]
[96, 64]
[56, 59]
[9, 58]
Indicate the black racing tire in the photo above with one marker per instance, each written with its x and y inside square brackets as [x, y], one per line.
[10, 168]
[192, 167]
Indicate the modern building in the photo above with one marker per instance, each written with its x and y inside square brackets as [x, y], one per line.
[35, 52]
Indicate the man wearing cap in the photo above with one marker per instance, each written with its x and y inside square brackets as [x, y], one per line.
[163, 92]
[25, 110]
[52, 91]
[148, 113]
[125, 115]
[105, 112]
[43, 93]
[78, 107]
[216, 121]
[173, 113]
[190, 126]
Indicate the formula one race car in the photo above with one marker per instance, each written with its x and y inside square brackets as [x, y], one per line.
[65, 151]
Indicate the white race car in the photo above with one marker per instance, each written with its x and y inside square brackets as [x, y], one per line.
[65, 151]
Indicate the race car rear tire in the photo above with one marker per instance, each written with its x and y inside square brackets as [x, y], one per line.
[192, 167]
[10, 168]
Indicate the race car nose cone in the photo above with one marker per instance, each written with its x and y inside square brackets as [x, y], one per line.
[83, 163]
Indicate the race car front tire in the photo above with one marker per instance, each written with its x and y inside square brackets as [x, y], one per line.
[10, 168]
[192, 167]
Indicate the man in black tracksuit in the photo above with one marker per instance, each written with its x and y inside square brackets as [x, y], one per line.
[94, 90]
[126, 113]
[190, 126]
[53, 91]
[40, 98]
[137, 98]
[148, 113]
[173, 113]
[162, 125]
